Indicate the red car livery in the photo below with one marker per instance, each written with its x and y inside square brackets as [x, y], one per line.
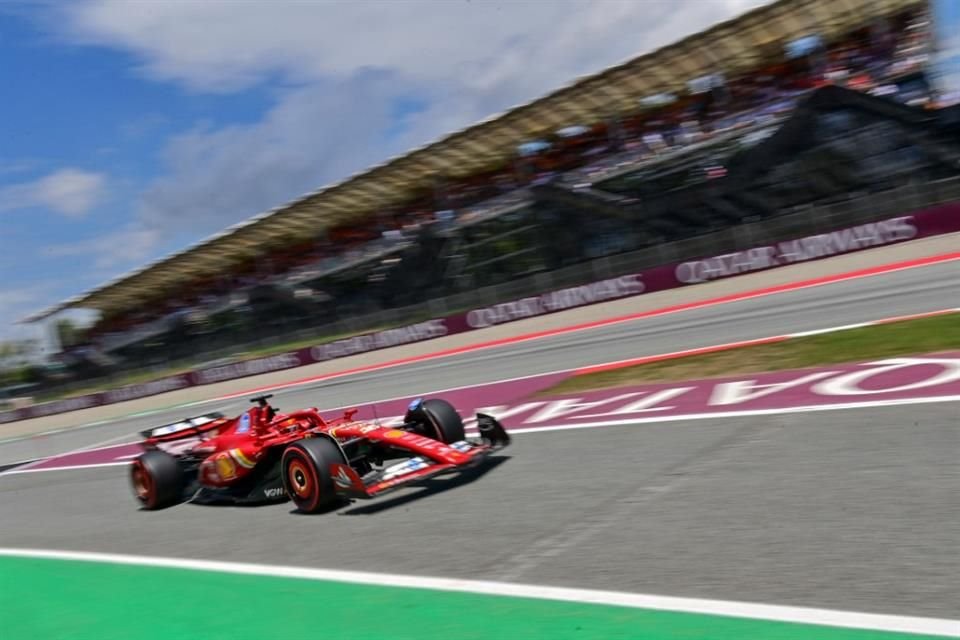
[265, 456]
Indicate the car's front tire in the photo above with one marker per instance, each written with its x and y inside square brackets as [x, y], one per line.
[436, 418]
[306, 473]
[157, 480]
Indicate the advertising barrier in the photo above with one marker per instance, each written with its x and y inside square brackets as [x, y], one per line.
[929, 222]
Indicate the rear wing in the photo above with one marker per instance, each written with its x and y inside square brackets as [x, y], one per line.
[187, 426]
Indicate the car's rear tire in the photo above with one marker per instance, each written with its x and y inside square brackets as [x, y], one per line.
[438, 419]
[157, 480]
[306, 473]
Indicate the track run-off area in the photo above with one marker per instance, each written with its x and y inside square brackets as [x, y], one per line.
[834, 523]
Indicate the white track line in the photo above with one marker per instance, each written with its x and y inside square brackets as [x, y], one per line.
[657, 357]
[767, 612]
[716, 415]
[693, 306]
[817, 332]
[292, 386]
[104, 444]
[76, 467]
[285, 386]
[872, 323]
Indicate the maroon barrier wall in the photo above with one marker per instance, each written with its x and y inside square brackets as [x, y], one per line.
[928, 222]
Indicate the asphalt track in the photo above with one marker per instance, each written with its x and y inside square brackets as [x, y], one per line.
[852, 509]
[911, 291]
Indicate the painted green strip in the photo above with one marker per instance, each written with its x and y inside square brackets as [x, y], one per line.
[78, 600]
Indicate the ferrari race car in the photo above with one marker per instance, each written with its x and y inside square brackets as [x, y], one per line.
[264, 456]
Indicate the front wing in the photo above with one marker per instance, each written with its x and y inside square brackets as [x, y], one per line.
[349, 484]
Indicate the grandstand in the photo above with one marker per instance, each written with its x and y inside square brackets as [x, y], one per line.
[708, 133]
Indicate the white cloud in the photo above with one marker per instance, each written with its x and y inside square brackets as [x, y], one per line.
[142, 125]
[340, 68]
[19, 165]
[133, 245]
[18, 303]
[70, 192]
[312, 136]
[16, 297]
[226, 45]
[14, 305]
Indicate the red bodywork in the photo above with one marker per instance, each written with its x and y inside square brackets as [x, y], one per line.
[231, 448]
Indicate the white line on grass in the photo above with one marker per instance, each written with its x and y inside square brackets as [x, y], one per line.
[768, 612]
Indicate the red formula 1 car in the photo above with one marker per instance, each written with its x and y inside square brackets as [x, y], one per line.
[265, 456]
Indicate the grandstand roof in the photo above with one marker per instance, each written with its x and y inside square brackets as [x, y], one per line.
[732, 47]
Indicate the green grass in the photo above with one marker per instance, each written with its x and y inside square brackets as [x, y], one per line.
[42, 598]
[909, 337]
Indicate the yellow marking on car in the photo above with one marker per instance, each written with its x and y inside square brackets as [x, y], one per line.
[243, 459]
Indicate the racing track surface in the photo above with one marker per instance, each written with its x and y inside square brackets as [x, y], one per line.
[847, 509]
[852, 509]
[899, 293]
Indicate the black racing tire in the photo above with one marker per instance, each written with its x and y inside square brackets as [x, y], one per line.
[443, 421]
[306, 473]
[157, 479]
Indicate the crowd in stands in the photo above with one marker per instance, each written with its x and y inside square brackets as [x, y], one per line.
[881, 60]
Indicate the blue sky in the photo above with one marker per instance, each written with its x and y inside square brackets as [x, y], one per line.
[79, 111]
[132, 129]
[946, 15]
